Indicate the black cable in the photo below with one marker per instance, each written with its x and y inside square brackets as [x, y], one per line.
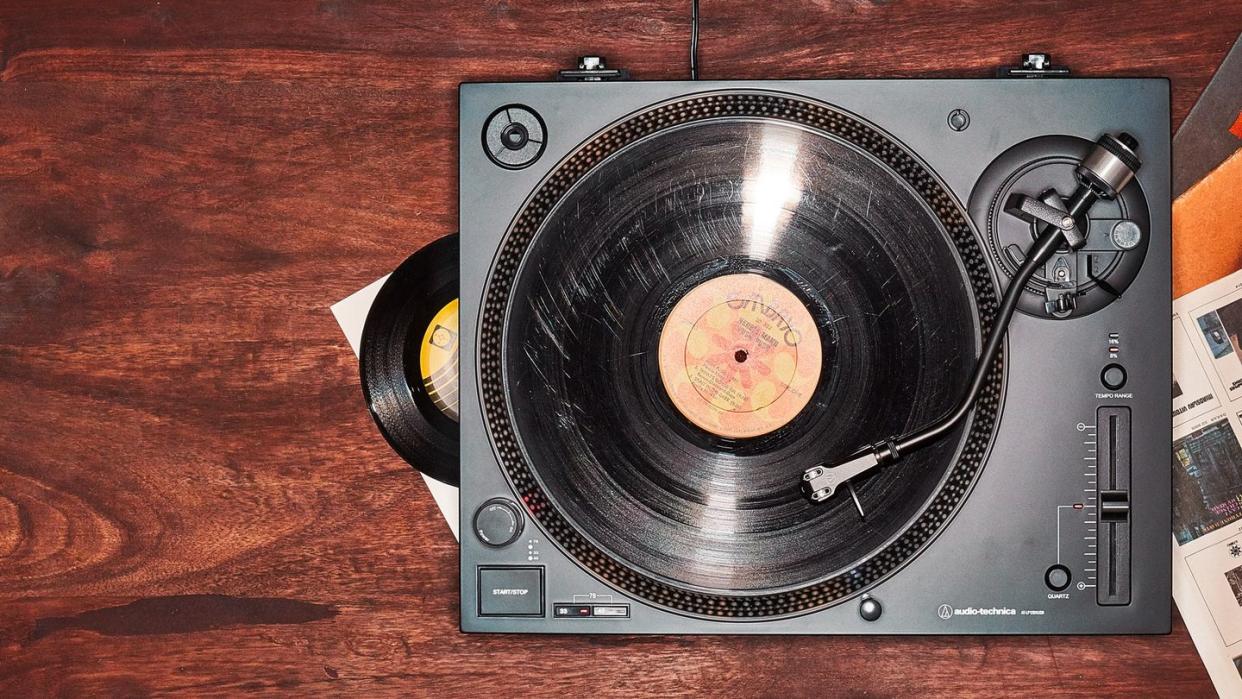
[694, 39]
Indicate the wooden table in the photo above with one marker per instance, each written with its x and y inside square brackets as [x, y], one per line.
[192, 496]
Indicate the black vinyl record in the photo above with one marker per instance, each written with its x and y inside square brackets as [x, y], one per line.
[701, 303]
[409, 362]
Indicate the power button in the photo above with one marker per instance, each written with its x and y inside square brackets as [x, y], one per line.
[498, 522]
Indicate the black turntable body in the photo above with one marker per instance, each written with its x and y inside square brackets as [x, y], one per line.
[696, 319]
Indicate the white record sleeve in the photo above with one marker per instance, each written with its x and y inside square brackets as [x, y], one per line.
[351, 315]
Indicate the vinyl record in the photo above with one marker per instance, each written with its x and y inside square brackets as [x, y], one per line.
[701, 303]
[409, 362]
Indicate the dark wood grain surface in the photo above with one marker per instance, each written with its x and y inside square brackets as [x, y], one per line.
[192, 496]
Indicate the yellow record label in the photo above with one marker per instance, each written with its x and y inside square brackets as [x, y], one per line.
[437, 359]
[740, 355]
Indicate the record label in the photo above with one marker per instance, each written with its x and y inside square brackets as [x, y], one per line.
[740, 356]
[437, 359]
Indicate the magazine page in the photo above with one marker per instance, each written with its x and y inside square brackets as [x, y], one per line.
[1207, 475]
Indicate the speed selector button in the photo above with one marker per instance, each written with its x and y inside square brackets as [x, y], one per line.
[498, 522]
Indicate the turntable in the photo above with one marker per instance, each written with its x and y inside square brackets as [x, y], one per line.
[726, 364]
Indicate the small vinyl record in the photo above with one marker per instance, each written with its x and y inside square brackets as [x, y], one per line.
[409, 360]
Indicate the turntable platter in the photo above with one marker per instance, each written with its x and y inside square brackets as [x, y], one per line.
[702, 302]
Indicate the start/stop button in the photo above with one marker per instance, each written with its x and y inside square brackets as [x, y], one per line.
[510, 590]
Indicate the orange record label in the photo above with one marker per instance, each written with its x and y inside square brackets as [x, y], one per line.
[740, 356]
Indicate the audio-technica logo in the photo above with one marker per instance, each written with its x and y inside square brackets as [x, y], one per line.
[947, 612]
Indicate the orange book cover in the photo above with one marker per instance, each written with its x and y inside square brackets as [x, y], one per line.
[1207, 181]
[1207, 227]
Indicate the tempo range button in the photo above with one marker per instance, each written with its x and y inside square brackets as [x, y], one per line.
[1113, 377]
